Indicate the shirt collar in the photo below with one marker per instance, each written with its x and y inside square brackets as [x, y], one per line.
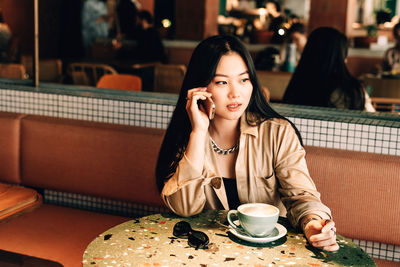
[246, 128]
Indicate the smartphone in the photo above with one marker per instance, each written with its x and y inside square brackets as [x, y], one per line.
[209, 107]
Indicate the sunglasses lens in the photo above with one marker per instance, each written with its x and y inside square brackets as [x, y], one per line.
[182, 229]
[198, 240]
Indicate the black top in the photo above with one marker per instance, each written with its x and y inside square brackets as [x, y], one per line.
[231, 193]
[127, 16]
[150, 46]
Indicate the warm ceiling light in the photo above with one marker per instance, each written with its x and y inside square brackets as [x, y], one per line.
[166, 23]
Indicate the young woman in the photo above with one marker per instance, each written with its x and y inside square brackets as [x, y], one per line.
[247, 153]
[321, 77]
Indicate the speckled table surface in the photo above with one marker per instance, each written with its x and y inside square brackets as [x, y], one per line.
[148, 241]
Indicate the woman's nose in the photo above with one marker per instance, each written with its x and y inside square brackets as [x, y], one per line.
[233, 90]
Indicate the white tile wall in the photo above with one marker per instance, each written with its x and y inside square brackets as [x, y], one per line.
[342, 135]
[349, 136]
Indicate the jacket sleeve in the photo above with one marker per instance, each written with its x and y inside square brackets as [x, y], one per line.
[184, 192]
[297, 189]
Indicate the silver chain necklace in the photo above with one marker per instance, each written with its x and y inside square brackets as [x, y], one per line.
[223, 151]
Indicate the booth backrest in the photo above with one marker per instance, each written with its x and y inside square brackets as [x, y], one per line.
[9, 147]
[118, 162]
[362, 190]
[91, 158]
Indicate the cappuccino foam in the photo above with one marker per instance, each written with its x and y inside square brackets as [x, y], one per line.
[258, 210]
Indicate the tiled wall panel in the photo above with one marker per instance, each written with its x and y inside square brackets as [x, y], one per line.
[357, 134]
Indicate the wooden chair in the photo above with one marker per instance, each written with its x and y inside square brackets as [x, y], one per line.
[383, 87]
[120, 81]
[15, 71]
[50, 70]
[146, 65]
[88, 73]
[13, 50]
[383, 104]
[168, 78]
[276, 82]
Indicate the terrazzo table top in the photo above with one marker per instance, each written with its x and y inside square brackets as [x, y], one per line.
[148, 241]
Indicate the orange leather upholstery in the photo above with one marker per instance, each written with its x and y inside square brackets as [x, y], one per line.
[56, 233]
[127, 82]
[385, 263]
[10, 147]
[362, 190]
[97, 159]
[16, 200]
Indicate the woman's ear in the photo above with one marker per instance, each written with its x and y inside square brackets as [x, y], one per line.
[266, 93]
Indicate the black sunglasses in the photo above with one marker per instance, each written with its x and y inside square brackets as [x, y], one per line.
[195, 238]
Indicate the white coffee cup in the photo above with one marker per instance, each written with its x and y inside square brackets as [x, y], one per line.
[257, 219]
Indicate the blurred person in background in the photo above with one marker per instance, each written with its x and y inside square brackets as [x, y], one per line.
[96, 23]
[268, 59]
[391, 62]
[296, 35]
[322, 78]
[127, 19]
[276, 22]
[5, 38]
[149, 44]
[271, 58]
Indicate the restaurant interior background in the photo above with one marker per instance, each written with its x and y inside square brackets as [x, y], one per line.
[182, 24]
[59, 21]
[346, 131]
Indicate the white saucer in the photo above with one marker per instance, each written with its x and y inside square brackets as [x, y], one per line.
[278, 232]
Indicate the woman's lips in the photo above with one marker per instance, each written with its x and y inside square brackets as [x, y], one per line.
[234, 107]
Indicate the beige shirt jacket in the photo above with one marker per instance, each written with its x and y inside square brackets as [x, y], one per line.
[270, 168]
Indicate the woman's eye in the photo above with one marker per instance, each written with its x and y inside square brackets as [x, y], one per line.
[220, 82]
[245, 80]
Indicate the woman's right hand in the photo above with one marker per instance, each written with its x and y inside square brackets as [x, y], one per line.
[321, 234]
[197, 114]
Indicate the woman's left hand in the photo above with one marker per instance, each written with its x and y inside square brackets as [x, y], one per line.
[321, 234]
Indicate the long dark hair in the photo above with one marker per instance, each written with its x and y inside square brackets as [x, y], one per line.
[200, 72]
[322, 70]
